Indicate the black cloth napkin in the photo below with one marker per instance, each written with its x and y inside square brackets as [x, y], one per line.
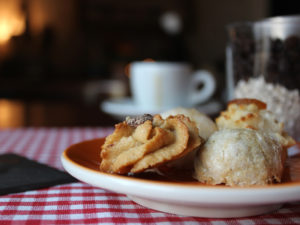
[18, 174]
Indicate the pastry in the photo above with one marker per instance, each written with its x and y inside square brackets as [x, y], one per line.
[250, 147]
[142, 143]
[206, 126]
[252, 114]
[240, 157]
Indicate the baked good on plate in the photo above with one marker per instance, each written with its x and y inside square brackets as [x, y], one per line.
[252, 114]
[240, 157]
[146, 142]
[249, 148]
[206, 126]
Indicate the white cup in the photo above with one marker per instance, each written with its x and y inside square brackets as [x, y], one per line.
[164, 85]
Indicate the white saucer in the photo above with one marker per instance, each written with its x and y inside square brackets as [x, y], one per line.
[120, 108]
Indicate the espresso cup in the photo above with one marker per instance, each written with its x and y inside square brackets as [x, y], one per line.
[165, 85]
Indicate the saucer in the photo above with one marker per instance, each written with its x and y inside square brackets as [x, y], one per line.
[120, 108]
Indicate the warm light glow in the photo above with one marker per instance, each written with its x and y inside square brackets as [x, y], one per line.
[11, 113]
[12, 20]
[127, 70]
[149, 60]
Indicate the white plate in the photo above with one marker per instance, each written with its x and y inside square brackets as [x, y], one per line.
[123, 107]
[184, 198]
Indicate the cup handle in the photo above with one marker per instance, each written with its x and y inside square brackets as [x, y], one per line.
[206, 79]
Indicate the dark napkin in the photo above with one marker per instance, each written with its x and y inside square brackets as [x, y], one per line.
[18, 174]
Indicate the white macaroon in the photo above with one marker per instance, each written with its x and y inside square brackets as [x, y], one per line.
[240, 157]
[206, 126]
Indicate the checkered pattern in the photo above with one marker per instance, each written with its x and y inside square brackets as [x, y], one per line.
[80, 203]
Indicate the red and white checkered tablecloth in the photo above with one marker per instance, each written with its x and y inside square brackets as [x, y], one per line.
[79, 203]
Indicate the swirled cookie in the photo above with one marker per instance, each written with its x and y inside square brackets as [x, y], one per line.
[139, 144]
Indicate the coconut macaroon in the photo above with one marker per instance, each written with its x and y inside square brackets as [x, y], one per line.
[205, 125]
[239, 157]
[248, 113]
[252, 114]
[249, 148]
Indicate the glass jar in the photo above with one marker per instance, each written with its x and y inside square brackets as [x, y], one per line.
[263, 62]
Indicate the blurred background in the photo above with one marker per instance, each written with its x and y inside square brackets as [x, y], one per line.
[60, 59]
